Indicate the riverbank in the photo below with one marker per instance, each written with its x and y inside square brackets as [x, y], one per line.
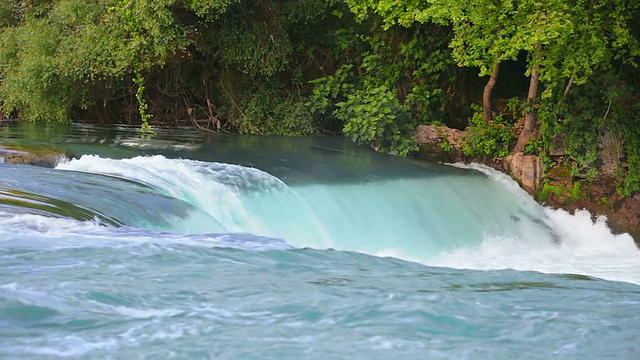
[553, 186]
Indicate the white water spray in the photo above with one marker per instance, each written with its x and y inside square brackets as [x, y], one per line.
[460, 220]
[586, 247]
[240, 199]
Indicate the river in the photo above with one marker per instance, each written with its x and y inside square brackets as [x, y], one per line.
[197, 246]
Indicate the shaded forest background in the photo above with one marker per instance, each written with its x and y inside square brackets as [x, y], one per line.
[519, 75]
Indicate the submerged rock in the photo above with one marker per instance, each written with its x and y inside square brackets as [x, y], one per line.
[38, 155]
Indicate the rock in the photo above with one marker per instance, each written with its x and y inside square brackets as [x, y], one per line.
[610, 151]
[560, 176]
[557, 146]
[440, 142]
[559, 173]
[527, 169]
[37, 156]
[626, 218]
[531, 172]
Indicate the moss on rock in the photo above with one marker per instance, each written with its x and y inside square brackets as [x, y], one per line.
[37, 155]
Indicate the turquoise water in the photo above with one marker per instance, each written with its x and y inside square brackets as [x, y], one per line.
[191, 247]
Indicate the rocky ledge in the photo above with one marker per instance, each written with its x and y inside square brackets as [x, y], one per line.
[37, 155]
[558, 190]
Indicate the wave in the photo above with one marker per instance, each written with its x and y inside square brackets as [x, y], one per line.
[586, 247]
[43, 232]
[475, 218]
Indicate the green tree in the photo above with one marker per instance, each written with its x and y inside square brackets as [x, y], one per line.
[577, 39]
[483, 31]
[566, 41]
[7, 13]
[52, 54]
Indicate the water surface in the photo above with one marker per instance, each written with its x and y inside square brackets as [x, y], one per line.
[199, 246]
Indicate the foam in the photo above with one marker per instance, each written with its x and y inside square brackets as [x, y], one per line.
[586, 247]
[248, 200]
[28, 230]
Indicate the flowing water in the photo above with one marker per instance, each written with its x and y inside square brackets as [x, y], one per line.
[189, 246]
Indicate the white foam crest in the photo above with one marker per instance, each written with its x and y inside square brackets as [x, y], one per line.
[36, 297]
[586, 247]
[70, 347]
[188, 180]
[241, 199]
[34, 230]
[146, 313]
[580, 233]
[31, 224]
[398, 254]
[503, 179]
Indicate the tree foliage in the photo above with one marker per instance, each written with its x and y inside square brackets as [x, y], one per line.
[371, 70]
[570, 47]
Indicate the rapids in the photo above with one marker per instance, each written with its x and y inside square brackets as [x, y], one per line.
[190, 247]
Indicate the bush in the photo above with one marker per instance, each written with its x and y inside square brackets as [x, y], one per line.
[491, 140]
[271, 111]
[631, 142]
[370, 113]
[373, 115]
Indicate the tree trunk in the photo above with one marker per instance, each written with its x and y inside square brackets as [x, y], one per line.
[488, 90]
[566, 90]
[530, 116]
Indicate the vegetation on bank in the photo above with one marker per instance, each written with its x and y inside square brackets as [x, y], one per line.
[563, 71]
